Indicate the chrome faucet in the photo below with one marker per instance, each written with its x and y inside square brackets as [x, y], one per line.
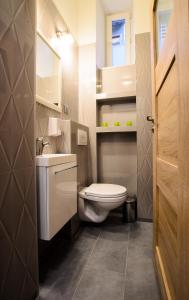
[40, 144]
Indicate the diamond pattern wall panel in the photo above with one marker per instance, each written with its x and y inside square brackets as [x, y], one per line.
[18, 225]
[144, 133]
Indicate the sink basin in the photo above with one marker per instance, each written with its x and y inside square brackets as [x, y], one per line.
[47, 160]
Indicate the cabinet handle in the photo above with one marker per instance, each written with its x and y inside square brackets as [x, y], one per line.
[56, 172]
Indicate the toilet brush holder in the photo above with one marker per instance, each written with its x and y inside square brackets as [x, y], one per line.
[130, 210]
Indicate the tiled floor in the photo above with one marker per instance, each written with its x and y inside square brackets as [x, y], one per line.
[111, 261]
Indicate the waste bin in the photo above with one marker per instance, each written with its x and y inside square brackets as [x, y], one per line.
[130, 210]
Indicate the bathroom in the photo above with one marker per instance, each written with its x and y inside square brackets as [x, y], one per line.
[94, 167]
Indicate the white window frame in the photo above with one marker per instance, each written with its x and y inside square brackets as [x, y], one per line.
[109, 20]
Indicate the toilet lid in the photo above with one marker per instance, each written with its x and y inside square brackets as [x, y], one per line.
[105, 190]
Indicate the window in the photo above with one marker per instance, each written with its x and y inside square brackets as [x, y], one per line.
[163, 20]
[118, 40]
[163, 13]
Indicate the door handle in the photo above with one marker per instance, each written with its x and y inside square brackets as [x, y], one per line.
[150, 119]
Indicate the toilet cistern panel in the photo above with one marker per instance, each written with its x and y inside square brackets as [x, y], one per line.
[57, 195]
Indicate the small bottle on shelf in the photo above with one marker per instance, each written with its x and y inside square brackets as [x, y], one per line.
[129, 123]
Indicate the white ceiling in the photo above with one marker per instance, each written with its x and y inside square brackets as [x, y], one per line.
[115, 6]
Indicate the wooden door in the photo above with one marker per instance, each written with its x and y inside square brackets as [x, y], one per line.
[171, 157]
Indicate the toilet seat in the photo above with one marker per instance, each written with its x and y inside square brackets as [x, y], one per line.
[104, 192]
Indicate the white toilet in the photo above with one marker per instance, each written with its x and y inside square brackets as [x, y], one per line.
[97, 200]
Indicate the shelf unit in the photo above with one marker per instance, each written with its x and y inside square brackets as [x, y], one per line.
[113, 96]
[116, 145]
[121, 109]
[115, 129]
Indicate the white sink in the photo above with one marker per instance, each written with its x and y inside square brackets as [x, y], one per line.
[47, 160]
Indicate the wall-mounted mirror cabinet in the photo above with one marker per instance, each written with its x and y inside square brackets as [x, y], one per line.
[48, 75]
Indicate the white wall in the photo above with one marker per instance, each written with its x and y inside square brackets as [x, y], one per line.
[87, 98]
[86, 21]
[100, 34]
[80, 17]
[165, 5]
[68, 10]
[86, 10]
[142, 16]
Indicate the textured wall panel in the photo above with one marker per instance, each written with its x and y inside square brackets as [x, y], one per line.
[18, 234]
[144, 133]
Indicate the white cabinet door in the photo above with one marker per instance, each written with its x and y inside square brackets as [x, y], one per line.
[61, 198]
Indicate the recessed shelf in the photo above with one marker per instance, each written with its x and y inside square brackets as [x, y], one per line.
[115, 129]
[114, 96]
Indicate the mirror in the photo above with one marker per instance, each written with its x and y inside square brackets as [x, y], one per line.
[164, 11]
[48, 75]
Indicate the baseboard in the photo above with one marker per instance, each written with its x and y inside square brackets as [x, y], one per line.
[145, 220]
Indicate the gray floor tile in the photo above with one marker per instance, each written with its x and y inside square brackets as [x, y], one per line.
[118, 234]
[115, 229]
[108, 255]
[141, 233]
[61, 279]
[65, 285]
[85, 241]
[100, 284]
[141, 282]
[93, 265]
[91, 230]
[65, 266]
[140, 253]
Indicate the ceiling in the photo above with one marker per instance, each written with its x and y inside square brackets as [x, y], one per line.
[115, 6]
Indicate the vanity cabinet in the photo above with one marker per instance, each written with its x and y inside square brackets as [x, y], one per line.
[57, 193]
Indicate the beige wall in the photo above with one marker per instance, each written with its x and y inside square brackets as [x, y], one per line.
[165, 4]
[86, 11]
[80, 17]
[142, 15]
[100, 35]
[119, 80]
[68, 10]
[117, 160]
[87, 97]
[87, 72]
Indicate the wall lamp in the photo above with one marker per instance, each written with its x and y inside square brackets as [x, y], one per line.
[65, 38]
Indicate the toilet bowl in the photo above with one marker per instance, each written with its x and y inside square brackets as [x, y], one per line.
[96, 201]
